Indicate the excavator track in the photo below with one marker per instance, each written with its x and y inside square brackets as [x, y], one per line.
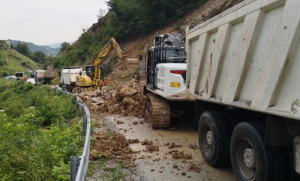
[158, 113]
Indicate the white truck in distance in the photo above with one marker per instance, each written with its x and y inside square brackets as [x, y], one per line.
[243, 70]
[43, 76]
[68, 77]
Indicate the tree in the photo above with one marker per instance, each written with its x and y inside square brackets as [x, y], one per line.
[64, 46]
[102, 13]
[22, 48]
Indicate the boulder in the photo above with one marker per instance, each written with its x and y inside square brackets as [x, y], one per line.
[128, 101]
[107, 96]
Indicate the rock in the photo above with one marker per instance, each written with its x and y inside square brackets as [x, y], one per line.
[153, 148]
[181, 155]
[128, 101]
[98, 125]
[182, 173]
[147, 142]
[101, 136]
[195, 168]
[104, 89]
[120, 122]
[135, 122]
[106, 96]
[98, 92]
[94, 155]
[129, 108]
[95, 100]
[127, 91]
[134, 140]
[119, 96]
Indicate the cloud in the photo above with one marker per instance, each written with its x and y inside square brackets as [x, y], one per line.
[47, 21]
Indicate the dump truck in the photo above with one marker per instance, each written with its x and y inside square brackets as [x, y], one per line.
[68, 77]
[43, 76]
[243, 70]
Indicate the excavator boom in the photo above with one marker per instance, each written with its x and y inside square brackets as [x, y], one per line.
[104, 53]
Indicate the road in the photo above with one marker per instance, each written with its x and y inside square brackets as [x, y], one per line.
[159, 165]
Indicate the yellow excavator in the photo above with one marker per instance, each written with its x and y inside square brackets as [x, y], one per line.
[94, 73]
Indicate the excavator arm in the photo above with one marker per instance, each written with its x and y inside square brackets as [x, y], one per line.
[104, 53]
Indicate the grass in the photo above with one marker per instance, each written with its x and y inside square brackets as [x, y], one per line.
[114, 173]
[15, 61]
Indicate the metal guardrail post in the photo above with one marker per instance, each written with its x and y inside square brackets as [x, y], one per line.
[75, 161]
[84, 125]
[83, 112]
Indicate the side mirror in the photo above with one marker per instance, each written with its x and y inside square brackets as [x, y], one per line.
[140, 57]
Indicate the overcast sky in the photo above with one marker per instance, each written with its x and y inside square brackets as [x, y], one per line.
[47, 21]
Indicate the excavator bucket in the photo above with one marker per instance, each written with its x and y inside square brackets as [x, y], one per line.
[158, 113]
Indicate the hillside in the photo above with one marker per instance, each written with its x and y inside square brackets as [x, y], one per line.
[86, 48]
[11, 61]
[57, 45]
[34, 48]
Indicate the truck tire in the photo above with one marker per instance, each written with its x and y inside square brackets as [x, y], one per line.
[214, 131]
[290, 173]
[252, 160]
[68, 88]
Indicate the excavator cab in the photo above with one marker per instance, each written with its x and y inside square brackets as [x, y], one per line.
[168, 48]
[90, 71]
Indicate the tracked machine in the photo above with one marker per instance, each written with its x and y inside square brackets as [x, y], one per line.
[166, 74]
[93, 76]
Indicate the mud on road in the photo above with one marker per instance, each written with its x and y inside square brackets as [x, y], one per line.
[162, 154]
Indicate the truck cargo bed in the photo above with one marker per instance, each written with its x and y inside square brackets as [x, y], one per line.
[248, 57]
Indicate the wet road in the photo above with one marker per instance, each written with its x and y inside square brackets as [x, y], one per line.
[158, 165]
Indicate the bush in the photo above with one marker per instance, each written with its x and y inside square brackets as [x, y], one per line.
[56, 63]
[4, 74]
[1, 62]
[24, 64]
[36, 135]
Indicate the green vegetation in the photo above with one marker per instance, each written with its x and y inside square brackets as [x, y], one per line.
[39, 57]
[110, 173]
[64, 46]
[39, 132]
[12, 62]
[125, 19]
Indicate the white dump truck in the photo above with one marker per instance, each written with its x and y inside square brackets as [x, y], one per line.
[68, 77]
[243, 70]
[43, 76]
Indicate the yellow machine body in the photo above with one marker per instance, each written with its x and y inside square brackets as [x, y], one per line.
[94, 74]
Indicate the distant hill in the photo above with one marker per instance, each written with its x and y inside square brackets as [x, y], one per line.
[12, 61]
[34, 48]
[57, 45]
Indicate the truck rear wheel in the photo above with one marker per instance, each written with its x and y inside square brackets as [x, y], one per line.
[214, 132]
[251, 159]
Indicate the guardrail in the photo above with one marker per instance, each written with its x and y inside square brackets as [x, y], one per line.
[79, 164]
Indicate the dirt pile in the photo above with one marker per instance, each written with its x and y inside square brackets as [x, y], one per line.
[115, 147]
[118, 98]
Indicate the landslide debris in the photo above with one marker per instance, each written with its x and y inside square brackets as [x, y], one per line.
[118, 98]
[115, 147]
